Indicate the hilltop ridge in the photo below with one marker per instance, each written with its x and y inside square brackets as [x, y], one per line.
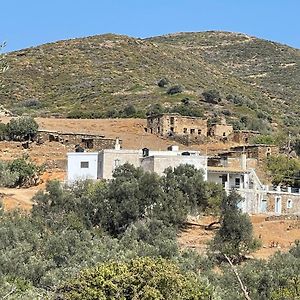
[99, 76]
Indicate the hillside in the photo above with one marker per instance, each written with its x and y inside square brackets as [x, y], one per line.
[99, 76]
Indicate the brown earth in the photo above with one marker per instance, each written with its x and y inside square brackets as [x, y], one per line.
[275, 235]
[278, 235]
[130, 131]
[20, 198]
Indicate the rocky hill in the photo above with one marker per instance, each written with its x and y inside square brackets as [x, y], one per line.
[254, 83]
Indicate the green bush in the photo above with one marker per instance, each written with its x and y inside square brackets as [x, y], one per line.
[187, 110]
[142, 278]
[22, 128]
[176, 89]
[3, 132]
[284, 170]
[212, 96]
[18, 172]
[155, 109]
[235, 236]
[163, 82]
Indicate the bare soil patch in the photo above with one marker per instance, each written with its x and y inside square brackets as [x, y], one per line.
[277, 235]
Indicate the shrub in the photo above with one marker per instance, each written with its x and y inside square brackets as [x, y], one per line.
[141, 278]
[22, 128]
[264, 139]
[155, 109]
[212, 96]
[185, 101]
[176, 89]
[235, 236]
[31, 103]
[163, 82]
[18, 172]
[3, 132]
[129, 110]
[284, 170]
[187, 110]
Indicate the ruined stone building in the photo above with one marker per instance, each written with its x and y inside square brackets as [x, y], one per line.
[169, 124]
[86, 141]
[256, 151]
[220, 130]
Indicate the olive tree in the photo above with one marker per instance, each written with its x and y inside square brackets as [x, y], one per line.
[22, 128]
[235, 236]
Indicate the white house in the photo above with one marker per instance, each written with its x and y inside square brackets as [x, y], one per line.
[83, 165]
[235, 174]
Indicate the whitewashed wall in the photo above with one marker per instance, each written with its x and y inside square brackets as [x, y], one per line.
[75, 169]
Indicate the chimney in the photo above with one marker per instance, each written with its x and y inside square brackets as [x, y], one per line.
[244, 161]
[117, 144]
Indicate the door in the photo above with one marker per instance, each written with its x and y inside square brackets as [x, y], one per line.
[263, 206]
[277, 205]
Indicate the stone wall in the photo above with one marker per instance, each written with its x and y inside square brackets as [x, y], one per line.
[220, 130]
[294, 208]
[175, 124]
[243, 136]
[87, 141]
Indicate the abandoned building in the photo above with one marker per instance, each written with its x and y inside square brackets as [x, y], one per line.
[255, 151]
[86, 141]
[175, 124]
[243, 136]
[220, 130]
[193, 130]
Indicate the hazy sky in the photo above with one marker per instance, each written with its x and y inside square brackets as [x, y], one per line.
[25, 23]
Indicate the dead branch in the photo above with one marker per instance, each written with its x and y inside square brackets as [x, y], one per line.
[243, 287]
[210, 226]
[8, 294]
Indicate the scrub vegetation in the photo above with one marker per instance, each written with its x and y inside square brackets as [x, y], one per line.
[253, 83]
[117, 240]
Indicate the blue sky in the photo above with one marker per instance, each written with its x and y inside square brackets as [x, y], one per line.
[25, 23]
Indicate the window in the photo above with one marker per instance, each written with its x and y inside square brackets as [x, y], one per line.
[84, 164]
[184, 130]
[237, 182]
[172, 120]
[289, 203]
[116, 163]
[192, 131]
[199, 131]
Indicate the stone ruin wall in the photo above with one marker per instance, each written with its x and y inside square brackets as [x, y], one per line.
[96, 143]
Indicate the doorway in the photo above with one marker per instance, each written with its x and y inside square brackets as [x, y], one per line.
[278, 205]
[263, 206]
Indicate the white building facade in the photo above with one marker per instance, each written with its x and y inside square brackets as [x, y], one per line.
[241, 177]
[84, 165]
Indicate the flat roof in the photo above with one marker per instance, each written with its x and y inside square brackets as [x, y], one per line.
[226, 170]
[82, 153]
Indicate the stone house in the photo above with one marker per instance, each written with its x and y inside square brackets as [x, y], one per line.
[243, 136]
[256, 151]
[220, 130]
[85, 140]
[169, 124]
